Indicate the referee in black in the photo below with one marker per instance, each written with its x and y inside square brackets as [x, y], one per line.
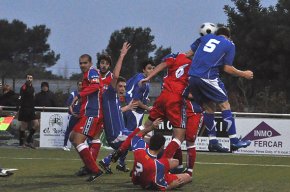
[26, 113]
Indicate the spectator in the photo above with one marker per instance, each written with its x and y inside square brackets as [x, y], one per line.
[9, 97]
[45, 98]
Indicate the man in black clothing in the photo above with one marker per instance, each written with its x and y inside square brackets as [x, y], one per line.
[8, 98]
[45, 98]
[26, 112]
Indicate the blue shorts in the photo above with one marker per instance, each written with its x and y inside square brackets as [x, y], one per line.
[132, 120]
[205, 90]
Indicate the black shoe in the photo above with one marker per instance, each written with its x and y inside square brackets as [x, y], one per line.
[83, 172]
[30, 145]
[94, 176]
[106, 168]
[178, 170]
[217, 148]
[122, 168]
[116, 155]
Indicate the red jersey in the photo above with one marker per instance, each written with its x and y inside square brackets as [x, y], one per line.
[106, 80]
[176, 79]
[90, 94]
[148, 171]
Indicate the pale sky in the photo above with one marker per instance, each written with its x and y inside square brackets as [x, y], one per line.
[85, 26]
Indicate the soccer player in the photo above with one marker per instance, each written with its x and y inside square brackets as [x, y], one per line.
[72, 118]
[169, 104]
[88, 125]
[150, 172]
[26, 112]
[212, 52]
[139, 94]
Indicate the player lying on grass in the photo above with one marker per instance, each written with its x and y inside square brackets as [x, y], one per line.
[150, 172]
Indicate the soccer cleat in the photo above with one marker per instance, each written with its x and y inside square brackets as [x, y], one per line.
[83, 172]
[116, 155]
[65, 148]
[94, 176]
[5, 173]
[217, 148]
[30, 145]
[178, 170]
[105, 167]
[240, 144]
[122, 168]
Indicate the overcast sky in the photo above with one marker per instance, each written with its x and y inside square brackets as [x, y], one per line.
[85, 26]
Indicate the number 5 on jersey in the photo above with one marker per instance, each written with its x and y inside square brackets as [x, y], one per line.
[211, 45]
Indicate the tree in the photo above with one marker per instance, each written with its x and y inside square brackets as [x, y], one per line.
[141, 40]
[262, 38]
[25, 50]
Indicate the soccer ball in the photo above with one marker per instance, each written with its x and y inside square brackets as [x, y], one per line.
[207, 28]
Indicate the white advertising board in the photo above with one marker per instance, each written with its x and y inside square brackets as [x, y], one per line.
[52, 129]
[269, 136]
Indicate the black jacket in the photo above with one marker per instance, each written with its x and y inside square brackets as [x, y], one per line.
[8, 99]
[45, 98]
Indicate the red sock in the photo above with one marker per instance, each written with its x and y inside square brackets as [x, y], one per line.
[87, 157]
[171, 148]
[178, 155]
[127, 143]
[191, 156]
[95, 148]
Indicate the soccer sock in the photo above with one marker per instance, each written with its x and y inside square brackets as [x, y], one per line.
[87, 157]
[95, 148]
[123, 158]
[31, 133]
[21, 137]
[191, 156]
[229, 121]
[210, 127]
[127, 143]
[178, 155]
[171, 148]
[107, 160]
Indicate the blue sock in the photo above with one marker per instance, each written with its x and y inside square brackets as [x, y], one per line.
[107, 160]
[229, 121]
[123, 158]
[210, 127]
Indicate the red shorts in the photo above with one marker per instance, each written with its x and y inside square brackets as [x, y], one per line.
[193, 124]
[169, 178]
[88, 126]
[169, 106]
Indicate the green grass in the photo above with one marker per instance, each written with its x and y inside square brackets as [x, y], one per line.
[53, 170]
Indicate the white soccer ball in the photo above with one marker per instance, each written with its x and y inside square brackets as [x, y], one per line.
[207, 28]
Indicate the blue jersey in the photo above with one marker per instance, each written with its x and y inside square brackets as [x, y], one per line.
[77, 105]
[133, 91]
[113, 119]
[210, 53]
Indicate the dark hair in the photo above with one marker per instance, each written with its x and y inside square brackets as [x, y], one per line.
[156, 141]
[104, 57]
[121, 79]
[28, 74]
[145, 63]
[44, 83]
[224, 31]
[86, 56]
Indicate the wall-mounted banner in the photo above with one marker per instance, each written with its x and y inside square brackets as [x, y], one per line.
[52, 128]
[269, 136]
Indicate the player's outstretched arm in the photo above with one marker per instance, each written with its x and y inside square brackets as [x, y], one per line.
[156, 70]
[117, 69]
[233, 71]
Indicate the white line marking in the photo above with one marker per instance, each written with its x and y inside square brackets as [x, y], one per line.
[201, 163]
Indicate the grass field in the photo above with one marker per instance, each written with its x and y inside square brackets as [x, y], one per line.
[53, 170]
